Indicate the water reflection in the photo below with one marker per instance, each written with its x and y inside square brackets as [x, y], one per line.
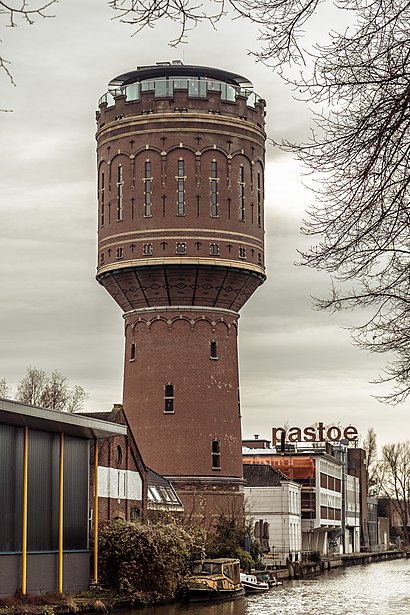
[376, 589]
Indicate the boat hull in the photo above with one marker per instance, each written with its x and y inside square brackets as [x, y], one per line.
[212, 595]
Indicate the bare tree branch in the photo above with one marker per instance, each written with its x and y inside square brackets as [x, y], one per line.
[15, 11]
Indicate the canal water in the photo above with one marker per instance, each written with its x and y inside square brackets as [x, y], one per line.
[376, 589]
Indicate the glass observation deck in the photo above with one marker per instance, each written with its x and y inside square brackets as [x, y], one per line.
[196, 87]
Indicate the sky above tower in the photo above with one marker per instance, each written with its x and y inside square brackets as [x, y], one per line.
[297, 366]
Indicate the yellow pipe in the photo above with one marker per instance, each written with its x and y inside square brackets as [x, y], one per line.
[61, 516]
[95, 510]
[24, 529]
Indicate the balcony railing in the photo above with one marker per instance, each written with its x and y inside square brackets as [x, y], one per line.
[165, 88]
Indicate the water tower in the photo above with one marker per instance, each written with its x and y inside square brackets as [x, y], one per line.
[181, 249]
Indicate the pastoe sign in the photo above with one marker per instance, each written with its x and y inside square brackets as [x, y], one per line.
[314, 433]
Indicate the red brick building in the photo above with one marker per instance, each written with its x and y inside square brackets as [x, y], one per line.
[181, 249]
[127, 489]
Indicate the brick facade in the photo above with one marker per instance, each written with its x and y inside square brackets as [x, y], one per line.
[120, 455]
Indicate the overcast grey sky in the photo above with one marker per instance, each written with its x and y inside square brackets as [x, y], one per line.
[297, 366]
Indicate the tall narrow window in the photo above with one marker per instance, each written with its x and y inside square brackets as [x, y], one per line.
[147, 189]
[213, 350]
[214, 188]
[120, 253]
[132, 351]
[259, 197]
[102, 199]
[216, 455]
[120, 185]
[181, 188]
[241, 184]
[169, 398]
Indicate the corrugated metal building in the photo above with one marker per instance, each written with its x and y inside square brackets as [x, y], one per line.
[44, 497]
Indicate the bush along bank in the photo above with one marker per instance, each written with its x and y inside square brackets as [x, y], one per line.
[148, 562]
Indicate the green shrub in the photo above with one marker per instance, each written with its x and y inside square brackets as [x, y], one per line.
[147, 559]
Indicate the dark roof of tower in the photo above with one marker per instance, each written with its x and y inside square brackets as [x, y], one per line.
[168, 69]
[260, 475]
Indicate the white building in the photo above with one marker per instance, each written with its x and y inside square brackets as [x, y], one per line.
[352, 515]
[274, 503]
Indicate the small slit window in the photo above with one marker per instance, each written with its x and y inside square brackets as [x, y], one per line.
[213, 350]
[181, 248]
[147, 249]
[169, 398]
[120, 253]
[133, 351]
[214, 249]
[216, 455]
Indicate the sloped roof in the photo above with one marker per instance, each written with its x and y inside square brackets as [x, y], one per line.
[44, 419]
[261, 475]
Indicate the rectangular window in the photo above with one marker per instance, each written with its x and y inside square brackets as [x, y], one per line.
[259, 202]
[241, 184]
[181, 248]
[120, 184]
[213, 350]
[214, 188]
[216, 455]
[181, 189]
[132, 351]
[120, 253]
[147, 249]
[102, 199]
[214, 249]
[169, 398]
[147, 189]
[242, 252]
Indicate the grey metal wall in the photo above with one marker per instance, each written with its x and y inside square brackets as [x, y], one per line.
[42, 572]
[43, 510]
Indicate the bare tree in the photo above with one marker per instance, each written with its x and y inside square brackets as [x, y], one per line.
[4, 389]
[358, 152]
[395, 465]
[370, 447]
[52, 392]
[14, 12]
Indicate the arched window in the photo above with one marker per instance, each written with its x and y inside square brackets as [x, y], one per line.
[120, 184]
[102, 199]
[147, 189]
[214, 188]
[118, 456]
[259, 199]
[181, 188]
[241, 185]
